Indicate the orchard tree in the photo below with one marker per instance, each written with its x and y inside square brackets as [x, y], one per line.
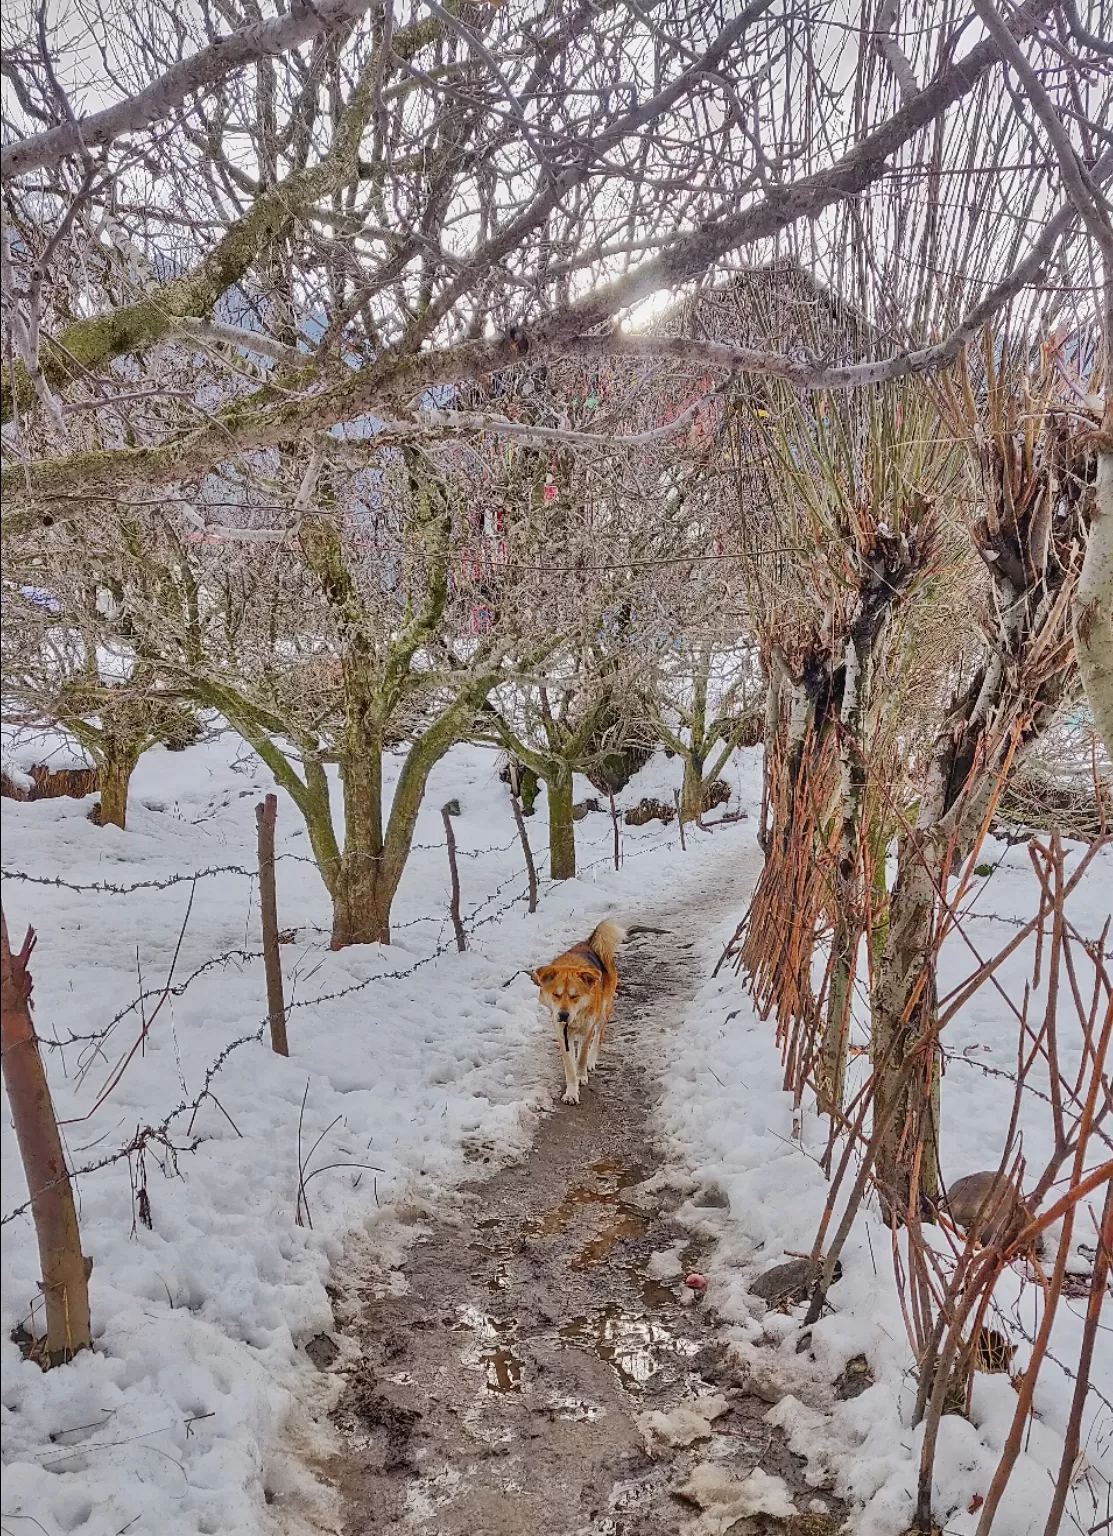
[69, 660]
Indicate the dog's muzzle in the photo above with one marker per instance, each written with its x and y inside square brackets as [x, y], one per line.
[563, 1016]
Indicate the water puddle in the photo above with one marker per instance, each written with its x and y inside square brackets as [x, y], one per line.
[627, 1223]
[611, 1179]
[504, 1370]
[490, 1349]
[655, 1293]
[635, 1347]
[576, 1409]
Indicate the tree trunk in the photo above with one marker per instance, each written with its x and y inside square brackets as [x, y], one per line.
[363, 894]
[691, 790]
[1092, 609]
[118, 760]
[360, 906]
[848, 893]
[903, 1023]
[528, 787]
[562, 828]
[772, 727]
[370, 869]
[834, 1047]
[65, 1273]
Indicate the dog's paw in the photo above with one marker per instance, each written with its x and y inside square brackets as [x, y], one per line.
[570, 1096]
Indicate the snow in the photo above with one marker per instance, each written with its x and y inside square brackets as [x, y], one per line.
[728, 1120]
[409, 1066]
[725, 1501]
[683, 1425]
[25, 748]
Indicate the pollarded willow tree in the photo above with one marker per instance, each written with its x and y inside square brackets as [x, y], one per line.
[1029, 501]
[859, 495]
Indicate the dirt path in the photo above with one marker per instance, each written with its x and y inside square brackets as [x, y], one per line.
[499, 1395]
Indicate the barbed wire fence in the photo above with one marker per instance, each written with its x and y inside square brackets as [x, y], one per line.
[501, 900]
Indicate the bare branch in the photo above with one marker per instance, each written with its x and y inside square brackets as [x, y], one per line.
[263, 39]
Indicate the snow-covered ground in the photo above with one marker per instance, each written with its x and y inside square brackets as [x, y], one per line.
[408, 1066]
[728, 1119]
[405, 1063]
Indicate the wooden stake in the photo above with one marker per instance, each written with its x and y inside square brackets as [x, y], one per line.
[65, 1271]
[614, 824]
[520, 823]
[454, 904]
[679, 819]
[266, 815]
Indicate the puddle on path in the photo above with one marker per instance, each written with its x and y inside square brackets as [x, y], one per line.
[504, 1370]
[636, 1344]
[611, 1178]
[490, 1349]
[627, 1223]
[636, 1347]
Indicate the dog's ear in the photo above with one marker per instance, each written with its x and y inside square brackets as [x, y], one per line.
[589, 978]
[534, 976]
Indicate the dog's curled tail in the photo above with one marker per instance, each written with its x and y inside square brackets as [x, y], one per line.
[606, 939]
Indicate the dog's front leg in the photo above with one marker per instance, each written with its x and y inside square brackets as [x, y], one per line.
[571, 1094]
[596, 1042]
[583, 1055]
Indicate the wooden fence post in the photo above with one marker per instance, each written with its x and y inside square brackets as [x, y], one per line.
[679, 819]
[266, 815]
[523, 838]
[447, 812]
[65, 1271]
[614, 824]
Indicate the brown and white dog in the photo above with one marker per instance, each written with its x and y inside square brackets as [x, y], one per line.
[578, 988]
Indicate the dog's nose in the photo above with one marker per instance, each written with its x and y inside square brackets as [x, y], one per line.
[562, 1015]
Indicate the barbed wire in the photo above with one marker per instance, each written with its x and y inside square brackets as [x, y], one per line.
[107, 888]
[191, 1105]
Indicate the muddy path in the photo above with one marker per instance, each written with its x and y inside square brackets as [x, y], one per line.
[545, 1312]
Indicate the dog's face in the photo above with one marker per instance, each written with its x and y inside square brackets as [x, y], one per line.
[568, 991]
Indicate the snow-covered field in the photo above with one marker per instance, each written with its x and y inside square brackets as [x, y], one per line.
[728, 1119]
[405, 1063]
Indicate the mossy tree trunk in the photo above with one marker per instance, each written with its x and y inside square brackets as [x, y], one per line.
[904, 1025]
[118, 756]
[691, 789]
[116, 723]
[362, 893]
[562, 834]
[560, 744]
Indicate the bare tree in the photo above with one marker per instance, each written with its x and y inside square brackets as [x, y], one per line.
[66, 663]
[328, 234]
